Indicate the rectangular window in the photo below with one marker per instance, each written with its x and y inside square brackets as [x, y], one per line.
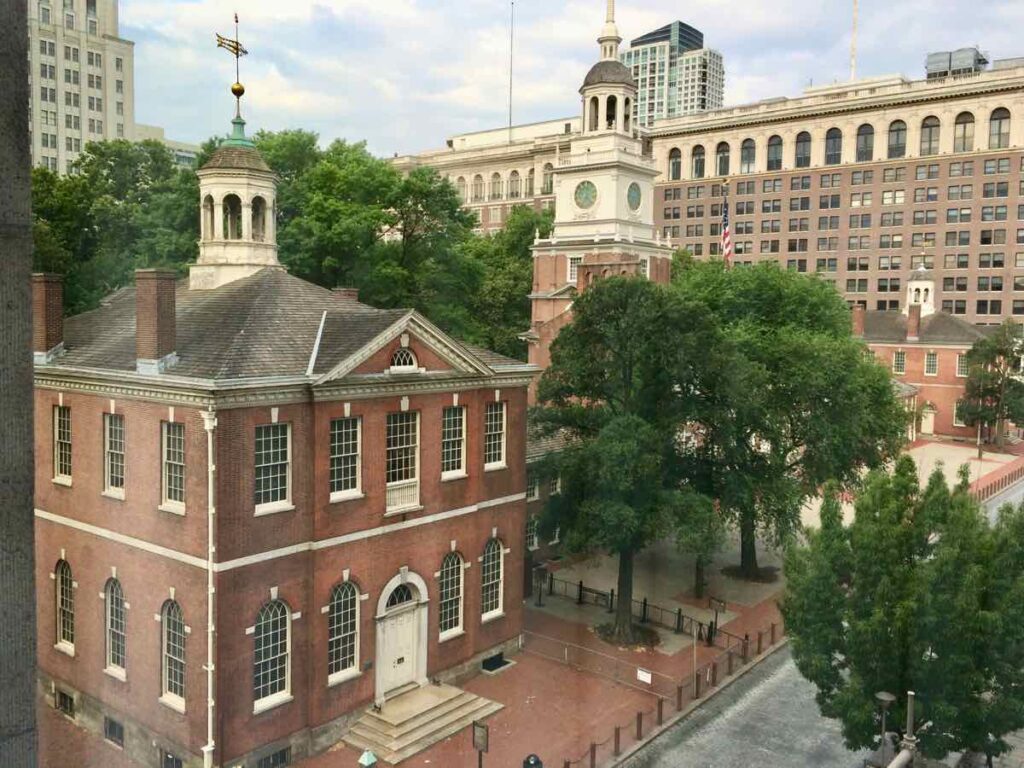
[402, 460]
[272, 467]
[453, 442]
[345, 468]
[574, 266]
[494, 436]
[113, 731]
[532, 487]
[62, 443]
[113, 454]
[961, 366]
[899, 361]
[167, 760]
[278, 759]
[64, 702]
[958, 414]
[931, 364]
[173, 465]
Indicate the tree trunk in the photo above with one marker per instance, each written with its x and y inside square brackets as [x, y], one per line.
[1000, 430]
[748, 544]
[623, 630]
[698, 578]
[17, 552]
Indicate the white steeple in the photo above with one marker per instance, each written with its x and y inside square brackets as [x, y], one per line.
[610, 39]
[921, 291]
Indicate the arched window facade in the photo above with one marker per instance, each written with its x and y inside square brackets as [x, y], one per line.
[611, 112]
[748, 156]
[963, 132]
[496, 186]
[259, 219]
[775, 153]
[548, 179]
[595, 113]
[897, 139]
[999, 129]
[65, 603]
[930, 136]
[697, 162]
[232, 217]
[460, 187]
[833, 146]
[478, 188]
[530, 177]
[802, 150]
[491, 577]
[865, 143]
[172, 650]
[400, 595]
[343, 630]
[113, 598]
[271, 673]
[675, 164]
[208, 230]
[450, 603]
[514, 185]
[722, 159]
[403, 359]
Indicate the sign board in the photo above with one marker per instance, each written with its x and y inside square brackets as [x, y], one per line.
[643, 675]
[716, 605]
[481, 736]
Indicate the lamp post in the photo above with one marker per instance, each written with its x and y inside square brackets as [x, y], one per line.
[885, 700]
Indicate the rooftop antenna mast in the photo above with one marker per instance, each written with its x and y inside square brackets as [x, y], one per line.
[511, 49]
[853, 45]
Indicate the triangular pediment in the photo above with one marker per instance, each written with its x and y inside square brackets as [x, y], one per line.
[436, 352]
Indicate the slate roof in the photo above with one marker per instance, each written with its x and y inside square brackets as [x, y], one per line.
[238, 157]
[262, 325]
[538, 446]
[938, 328]
[613, 72]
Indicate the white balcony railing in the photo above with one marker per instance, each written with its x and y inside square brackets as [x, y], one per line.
[403, 495]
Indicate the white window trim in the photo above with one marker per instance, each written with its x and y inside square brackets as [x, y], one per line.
[569, 277]
[58, 477]
[536, 534]
[285, 504]
[167, 505]
[65, 647]
[415, 480]
[498, 612]
[275, 699]
[926, 355]
[459, 629]
[108, 491]
[351, 493]
[957, 421]
[456, 474]
[961, 358]
[902, 369]
[535, 495]
[116, 672]
[502, 463]
[344, 675]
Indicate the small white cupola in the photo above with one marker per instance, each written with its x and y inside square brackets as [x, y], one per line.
[921, 292]
[608, 90]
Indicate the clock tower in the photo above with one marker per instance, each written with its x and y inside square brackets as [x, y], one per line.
[604, 202]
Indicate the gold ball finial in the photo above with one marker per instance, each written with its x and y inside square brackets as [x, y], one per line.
[237, 90]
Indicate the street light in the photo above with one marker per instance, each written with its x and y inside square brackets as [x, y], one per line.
[885, 700]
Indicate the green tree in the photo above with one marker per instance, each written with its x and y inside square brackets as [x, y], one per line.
[994, 394]
[805, 404]
[628, 370]
[921, 594]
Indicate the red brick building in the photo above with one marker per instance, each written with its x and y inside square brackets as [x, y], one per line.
[925, 349]
[263, 506]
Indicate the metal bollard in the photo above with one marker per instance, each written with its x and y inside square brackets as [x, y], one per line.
[760, 641]
[643, 611]
[611, 601]
[661, 711]
[771, 640]
[579, 593]
[714, 674]
[679, 698]
[696, 685]
[728, 666]
[618, 743]
[551, 583]
[679, 620]
[746, 647]
[639, 725]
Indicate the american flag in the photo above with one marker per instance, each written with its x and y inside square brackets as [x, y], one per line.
[726, 236]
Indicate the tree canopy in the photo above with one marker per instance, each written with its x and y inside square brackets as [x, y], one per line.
[994, 393]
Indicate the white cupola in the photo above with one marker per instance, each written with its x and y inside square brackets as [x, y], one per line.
[921, 292]
[608, 90]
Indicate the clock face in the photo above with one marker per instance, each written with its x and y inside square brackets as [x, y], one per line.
[586, 194]
[633, 196]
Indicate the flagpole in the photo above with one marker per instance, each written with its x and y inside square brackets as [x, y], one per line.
[511, 49]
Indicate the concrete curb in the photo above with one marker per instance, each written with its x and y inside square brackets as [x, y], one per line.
[693, 706]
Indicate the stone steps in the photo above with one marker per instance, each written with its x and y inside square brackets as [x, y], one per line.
[405, 727]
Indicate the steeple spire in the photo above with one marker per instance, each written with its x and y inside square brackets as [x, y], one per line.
[236, 49]
[609, 39]
[611, 11]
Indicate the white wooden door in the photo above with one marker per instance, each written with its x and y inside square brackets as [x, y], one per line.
[399, 647]
[928, 422]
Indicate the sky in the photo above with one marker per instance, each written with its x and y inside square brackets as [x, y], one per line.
[404, 75]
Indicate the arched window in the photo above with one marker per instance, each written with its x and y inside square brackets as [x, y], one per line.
[232, 206]
[865, 143]
[595, 110]
[491, 579]
[930, 136]
[496, 186]
[897, 139]
[172, 625]
[802, 153]
[478, 188]
[513, 184]
[697, 162]
[611, 115]
[271, 671]
[460, 187]
[113, 597]
[548, 179]
[400, 595]
[675, 164]
[748, 152]
[775, 153]
[65, 603]
[999, 129]
[403, 360]
[833, 146]
[722, 159]
[963, 132]
[450, 603]
[259, 219]
[530, 177]
[343, 630]
[627, 115]
[208, 230]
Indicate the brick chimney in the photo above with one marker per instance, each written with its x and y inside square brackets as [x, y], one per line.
[914, 322]
[155, 335]
[47, 317]
[858, 320]
[352, 294]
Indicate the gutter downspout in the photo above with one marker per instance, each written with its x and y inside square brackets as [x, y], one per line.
[210, 424]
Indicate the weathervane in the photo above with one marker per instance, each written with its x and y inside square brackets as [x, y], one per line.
[236, 49]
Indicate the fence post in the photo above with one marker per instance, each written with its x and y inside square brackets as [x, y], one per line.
[540, 592]
[679, 620]
[772, 637]
[618, 746]
[696, 685]
[593, 755]
[729, 665]
[714, 674]
[746, 646]
[760, 641]
[643, 616]
[661, 710]
[551, 583]
[679, 698]
[639, 725]
[579, 593]
[611, 601]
